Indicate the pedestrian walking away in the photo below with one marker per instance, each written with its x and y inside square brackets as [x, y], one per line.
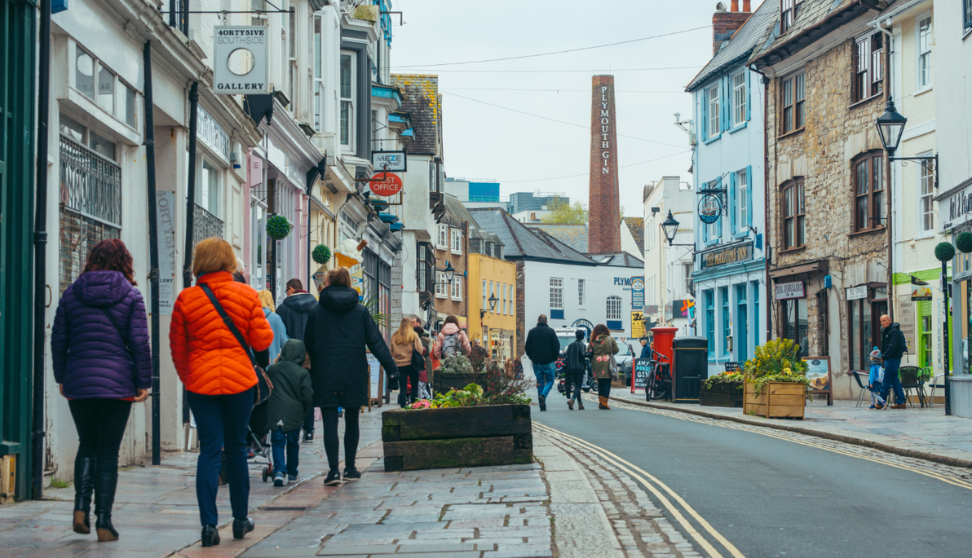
[219, 377]
[451, 340]
[602, 351]
[102, 364]
[294, 312]
[425, 376]
[875, 378]
[338, 331]
[276, 324]
[575, 364]
[893, 345]
[543, 348]
[405, 344]
[292, 396]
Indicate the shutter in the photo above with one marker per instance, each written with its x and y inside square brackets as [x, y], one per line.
[704, 112]
[749, 95]
[725, 104]
[732, 203]
[749, 197]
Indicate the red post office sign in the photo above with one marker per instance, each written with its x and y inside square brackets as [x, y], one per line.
[385, 184]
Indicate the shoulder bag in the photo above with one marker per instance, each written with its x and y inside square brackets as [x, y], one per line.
[613, 367]
[263, 386]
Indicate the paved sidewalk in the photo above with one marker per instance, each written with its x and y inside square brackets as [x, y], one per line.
[925, 433]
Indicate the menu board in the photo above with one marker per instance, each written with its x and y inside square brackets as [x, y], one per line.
[818, 372]
[375, 373]
[642, 369]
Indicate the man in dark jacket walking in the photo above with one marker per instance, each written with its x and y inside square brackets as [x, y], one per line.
[893, 345]
[290, 400]
[294, 311]
[543, 348]
[575, 364]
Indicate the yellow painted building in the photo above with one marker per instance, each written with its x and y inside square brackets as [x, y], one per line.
[494, 326]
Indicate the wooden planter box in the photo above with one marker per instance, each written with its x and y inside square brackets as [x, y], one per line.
[456, 437]
[724, 394]
[777, 400]
[442, 382]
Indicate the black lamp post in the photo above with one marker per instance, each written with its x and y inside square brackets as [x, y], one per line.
[449, 271]
[670, 227]
[492, 306]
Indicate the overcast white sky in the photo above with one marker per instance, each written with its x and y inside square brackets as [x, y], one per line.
[525, 153]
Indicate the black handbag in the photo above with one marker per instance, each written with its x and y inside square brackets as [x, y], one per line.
[263, 386]
[418, 361]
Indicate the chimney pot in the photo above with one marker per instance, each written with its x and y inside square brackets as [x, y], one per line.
[746, 6]
[735, 6]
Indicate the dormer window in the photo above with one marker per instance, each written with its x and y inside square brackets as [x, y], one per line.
[789, 9]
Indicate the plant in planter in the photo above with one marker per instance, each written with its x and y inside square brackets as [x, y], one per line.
[723, 390]
[776, 381]
[321, 254]
[278, 227]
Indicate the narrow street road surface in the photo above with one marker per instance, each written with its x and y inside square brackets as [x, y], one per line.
[738, 490]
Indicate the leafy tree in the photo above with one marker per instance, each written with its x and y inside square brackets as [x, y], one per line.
[564, 213]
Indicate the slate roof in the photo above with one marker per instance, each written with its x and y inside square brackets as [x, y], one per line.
[620, 259]
[815, 19]
[454, 209]
[574, 236]
[740, 46]
[637, 227]
[523, 244]
[423, 103]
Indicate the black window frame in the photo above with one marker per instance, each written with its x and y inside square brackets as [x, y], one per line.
[793, 209]
[871, 164]
[793, 334]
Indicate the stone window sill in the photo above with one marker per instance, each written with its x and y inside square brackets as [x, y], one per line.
[793, 250]
[863, 232]
[865, 101]
[790, 133]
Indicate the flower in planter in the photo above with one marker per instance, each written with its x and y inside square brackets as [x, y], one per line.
[776, 361]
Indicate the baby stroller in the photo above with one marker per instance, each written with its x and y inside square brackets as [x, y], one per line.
[258, 442]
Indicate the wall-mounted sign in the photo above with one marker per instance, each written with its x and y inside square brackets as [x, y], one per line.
[920, 290]
[680, 309]
[786, 291]
[586, 324]
[651, 309]
[857, 293]
[637, 293]
[733, 367]
[385, 184]
[240, 59]
[724, 256]
[212, 134]
[710, 208]
[395, 160]
[959, 207]
[637, 325]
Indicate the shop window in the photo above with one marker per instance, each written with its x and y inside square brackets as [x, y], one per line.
[710, 321]
[794, 215]
[925, 329]
[864, 328]
[868, 67]
[794, 322]
[869, 206]
[742, 323]
[755, 329]
[726, 319]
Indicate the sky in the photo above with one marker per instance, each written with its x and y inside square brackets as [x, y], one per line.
[485, 139]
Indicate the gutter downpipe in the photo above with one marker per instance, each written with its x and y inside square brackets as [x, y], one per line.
[766, 186]
[40, 248]
[191, 186]
[153, 254]
[887, 167]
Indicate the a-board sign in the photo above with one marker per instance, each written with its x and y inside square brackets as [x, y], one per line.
[818, 372]
[733, 367]
[375, 373]
[641, 368]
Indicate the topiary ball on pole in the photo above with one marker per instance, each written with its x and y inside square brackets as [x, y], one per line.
[278, 227]
[321, 254]
[964, 242]
[944, 251]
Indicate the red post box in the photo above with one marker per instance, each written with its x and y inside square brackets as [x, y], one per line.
[663, 338]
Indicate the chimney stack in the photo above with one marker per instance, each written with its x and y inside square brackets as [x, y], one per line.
[725, 23]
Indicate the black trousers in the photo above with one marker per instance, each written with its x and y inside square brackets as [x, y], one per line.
[412, 375]
[604, 387]
[351, 435]
[101, 426]
[575, 380]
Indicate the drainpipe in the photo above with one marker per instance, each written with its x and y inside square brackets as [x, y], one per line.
[40, 247]
[191, 187]
[887, 167]
[153, 254]
[767, 251]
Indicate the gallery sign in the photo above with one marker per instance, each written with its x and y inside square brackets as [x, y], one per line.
[725, 256]
[240, 59]
[786, 291]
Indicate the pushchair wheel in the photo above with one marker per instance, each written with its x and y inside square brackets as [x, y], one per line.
[266, 474]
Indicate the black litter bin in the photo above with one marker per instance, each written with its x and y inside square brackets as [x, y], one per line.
[690, 369]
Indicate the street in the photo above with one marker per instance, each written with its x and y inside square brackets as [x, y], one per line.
[774, 494]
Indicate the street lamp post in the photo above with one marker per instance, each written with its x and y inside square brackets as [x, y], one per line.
[891, 127]
[670, 226]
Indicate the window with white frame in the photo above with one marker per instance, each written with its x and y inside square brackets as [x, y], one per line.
[111, 94]
[712, 100]
[208, 192]
[926, 193]
[742, 200]
[556, 292]
[442, 238]
[511, 298]
[292, 76]
[258, 12]
[613, 308]
[967, 13]
[456, 241]
[457, 288]
[441, 285]
[739, 98]
[347, 88]
[506, 299]
[924, 42]
[318, 74]
[580, 292]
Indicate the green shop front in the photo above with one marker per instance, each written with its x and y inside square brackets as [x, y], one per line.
[957, 208]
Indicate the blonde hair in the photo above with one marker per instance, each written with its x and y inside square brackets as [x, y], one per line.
[213, 254]
[266, 299]
[405, 334]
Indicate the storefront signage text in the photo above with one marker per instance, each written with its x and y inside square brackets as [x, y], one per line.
[959, 206]
[857, 293]
[240, 60]
[732, 254]
[786, 291]
[637, 293]
[212, 134]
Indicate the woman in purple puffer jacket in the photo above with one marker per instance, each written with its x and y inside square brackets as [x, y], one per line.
[102, 363]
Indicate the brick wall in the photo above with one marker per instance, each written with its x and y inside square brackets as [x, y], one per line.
[447, 305]
[604, 210]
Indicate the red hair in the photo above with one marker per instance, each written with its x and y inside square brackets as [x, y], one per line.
[111, 255]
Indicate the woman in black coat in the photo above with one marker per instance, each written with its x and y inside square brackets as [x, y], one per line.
[338, 330]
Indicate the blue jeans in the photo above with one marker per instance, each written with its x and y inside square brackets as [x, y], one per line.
[221, 422]
[545, 377]
[291, 442]
[891, 380]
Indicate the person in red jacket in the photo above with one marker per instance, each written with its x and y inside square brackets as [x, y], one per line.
[219, 377]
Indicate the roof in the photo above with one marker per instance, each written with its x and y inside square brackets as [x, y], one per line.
[739, 47]
[522, 243]
[815, 19]
[422, 102]
[456, 210]
[574, 236]
[618, 259]
[636, 225]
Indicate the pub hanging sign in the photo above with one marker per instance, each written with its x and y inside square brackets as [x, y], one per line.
[728, 255]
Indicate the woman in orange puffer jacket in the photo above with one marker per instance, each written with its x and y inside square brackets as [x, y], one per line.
[219, 377]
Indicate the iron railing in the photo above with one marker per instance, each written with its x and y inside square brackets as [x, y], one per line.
[90, 183]
[205, 225]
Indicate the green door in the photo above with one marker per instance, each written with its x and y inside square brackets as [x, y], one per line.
[17, 21]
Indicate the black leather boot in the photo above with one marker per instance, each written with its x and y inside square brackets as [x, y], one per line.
[210, 536]
[84, 473]
[242, 527]
[105, 485]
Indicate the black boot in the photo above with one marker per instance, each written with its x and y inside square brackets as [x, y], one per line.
[242, 527]
[105, 485]
[84, 475]
[210, 536]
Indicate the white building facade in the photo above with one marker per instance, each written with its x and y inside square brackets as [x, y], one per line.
[669, 299]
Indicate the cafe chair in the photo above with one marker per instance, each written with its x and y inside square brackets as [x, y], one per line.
[863, 385]
[911, 379]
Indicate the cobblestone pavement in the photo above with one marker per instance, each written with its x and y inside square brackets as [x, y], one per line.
[916, 432]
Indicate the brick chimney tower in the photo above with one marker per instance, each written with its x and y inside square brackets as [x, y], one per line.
[604, 213]
[724, 23]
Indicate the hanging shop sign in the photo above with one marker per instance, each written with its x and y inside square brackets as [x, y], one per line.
[385, 184]
[396, 161]
[920, 290]
[857, 293]
[240, 59]
[637, 293]
[710, 208]
[729, 255]
[680, 309]
[786, 291]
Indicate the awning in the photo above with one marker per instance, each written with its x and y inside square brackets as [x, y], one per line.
[797, 270]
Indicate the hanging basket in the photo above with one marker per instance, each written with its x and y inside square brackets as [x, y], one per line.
[321, 254]
[278, 227]
[964, 242]
[944, 251]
